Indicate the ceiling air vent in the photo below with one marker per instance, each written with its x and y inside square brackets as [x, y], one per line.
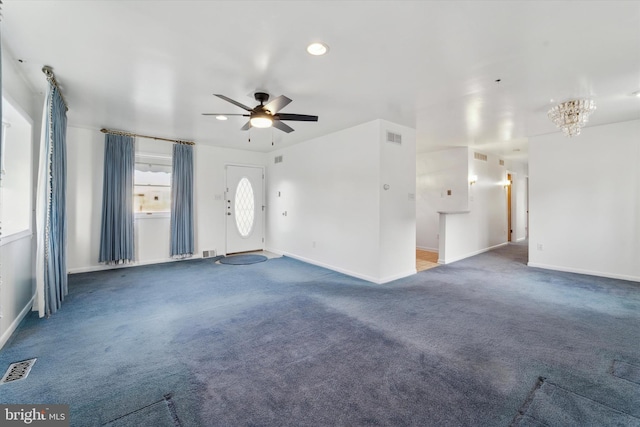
[480, 156]
[277, 159]
[394, 138]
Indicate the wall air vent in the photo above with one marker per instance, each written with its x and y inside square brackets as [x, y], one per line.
[394, 138]
[501, 162]
[277, 159]
[480, 156]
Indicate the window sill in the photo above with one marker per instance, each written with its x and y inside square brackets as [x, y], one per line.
[5, 240]
[152, 215]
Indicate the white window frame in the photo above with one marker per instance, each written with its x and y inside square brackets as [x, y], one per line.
[27, 232]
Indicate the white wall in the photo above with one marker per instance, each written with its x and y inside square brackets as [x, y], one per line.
[16, 267]
[398, 203]
[485, 225]
[209, 185]
[436, 173]
[326, 203]
[85, 166]
[84, 203]
[584, 195]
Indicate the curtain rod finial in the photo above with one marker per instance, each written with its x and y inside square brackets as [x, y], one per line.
[103, 130]
[47, 70]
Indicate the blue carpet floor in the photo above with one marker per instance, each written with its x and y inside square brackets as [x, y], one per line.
[485, 341]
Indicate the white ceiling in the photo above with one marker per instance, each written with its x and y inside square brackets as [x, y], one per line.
[152, 67]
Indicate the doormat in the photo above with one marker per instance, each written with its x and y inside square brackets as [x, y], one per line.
[243, 259]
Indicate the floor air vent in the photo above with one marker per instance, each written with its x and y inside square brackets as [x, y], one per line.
[209, 254]
[18, 371]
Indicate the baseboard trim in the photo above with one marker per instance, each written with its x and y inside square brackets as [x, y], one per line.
[102, 267]
[582, 271]
[397, 277]
[16, 322]
[478, 252]
[424, 248]
[342, 270]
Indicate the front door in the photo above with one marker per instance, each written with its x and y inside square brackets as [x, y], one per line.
[245, 211]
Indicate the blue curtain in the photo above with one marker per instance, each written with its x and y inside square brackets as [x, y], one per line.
[116, 237]
[182, 201]
[51, 270]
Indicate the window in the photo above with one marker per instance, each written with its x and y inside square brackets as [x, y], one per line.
[15, 213]
[244, 207]
[152, 185]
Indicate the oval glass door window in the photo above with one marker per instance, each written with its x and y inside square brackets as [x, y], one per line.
[245, 207]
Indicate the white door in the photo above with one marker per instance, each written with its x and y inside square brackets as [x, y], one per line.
[245, 211]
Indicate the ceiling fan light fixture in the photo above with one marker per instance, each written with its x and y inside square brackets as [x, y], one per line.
[261, 121]
[317, 49]
[221, 117]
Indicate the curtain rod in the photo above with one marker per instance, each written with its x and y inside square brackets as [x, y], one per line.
[48, 71]
[119, 132]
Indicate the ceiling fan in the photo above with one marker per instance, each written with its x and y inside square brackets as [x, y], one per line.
[266, 115]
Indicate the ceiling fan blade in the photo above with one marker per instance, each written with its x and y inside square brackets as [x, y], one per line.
[224, 114]
[277, 104]
[234, 102]
[296, 117]
[282, 126]
[246, 126]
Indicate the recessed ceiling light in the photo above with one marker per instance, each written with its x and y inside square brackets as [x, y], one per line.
[221, 117]
[636, 93]
[317, 48]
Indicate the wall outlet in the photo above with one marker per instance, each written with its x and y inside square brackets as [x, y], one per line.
[539, 246]
[448, 192]
[313, 244]
[217, 197]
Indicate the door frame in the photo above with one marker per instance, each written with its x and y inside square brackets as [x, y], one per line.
[264, 197]
[510, 179]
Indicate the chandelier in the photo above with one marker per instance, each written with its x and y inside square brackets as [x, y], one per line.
[571, 115]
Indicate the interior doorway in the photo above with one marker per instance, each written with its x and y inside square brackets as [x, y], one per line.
[509, 223]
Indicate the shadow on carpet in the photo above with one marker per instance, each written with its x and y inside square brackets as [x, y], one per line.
[159, 414]
[550, 404]
[300, 364]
